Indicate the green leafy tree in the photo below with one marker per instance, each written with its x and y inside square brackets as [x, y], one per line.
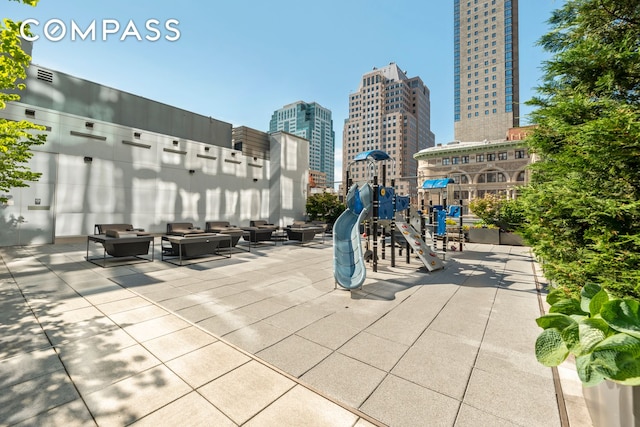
[16, 137]
[582, 206]
[324, 207]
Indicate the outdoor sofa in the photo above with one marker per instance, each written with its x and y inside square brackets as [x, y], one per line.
[261, 223]
[130, 247]
[303, 232]
[182, 229]
[259, 231]
[224, 227]
[187, 240]
[120, 241]
[103, 228]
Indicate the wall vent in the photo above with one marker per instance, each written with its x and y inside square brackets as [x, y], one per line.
[45, 76]
[169, 150]
[88, 135]
[204, 156]
[136, 144]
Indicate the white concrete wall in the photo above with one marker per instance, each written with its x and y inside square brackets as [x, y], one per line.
[147, 185]
[289, 178]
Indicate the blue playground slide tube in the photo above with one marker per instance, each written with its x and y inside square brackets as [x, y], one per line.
[349, 269]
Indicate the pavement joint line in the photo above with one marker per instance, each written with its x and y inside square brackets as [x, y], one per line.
[251, 356]
[52, 346]
[557, 384]
[23, 258]
[388, 373]
[475, 359]
[268, 365]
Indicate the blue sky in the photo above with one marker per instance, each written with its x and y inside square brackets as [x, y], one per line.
[238, 61]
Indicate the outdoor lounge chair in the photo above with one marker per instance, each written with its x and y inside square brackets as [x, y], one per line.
[260, 223]
[223, 227]
[193, 245]
[303, 234]
[302, 224]
[322, 224]
[130, 247]
[126, 248]
[307, 224]
[182, 229]
[257, 235]
[120, 241]
[103, 228]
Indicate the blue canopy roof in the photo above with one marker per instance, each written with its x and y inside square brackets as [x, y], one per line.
[432, 184]
[376, 155]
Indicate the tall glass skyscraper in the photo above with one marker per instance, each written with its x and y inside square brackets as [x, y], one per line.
[312, 122]
[486, 82]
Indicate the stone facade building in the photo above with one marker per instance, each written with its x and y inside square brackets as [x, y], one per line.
[477, 168]
[389, 112]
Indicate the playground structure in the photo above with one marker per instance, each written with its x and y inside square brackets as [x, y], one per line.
[439, 214]
[373, 203]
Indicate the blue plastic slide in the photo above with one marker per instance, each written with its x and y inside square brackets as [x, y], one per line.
[349, 269]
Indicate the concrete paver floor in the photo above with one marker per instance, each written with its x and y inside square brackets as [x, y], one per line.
[264, 339]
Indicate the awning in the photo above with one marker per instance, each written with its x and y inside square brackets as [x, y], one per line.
[433, 184]
[376, 155]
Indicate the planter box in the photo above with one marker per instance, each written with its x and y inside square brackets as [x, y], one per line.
[512, 239]
[613, 405]
[489, 236]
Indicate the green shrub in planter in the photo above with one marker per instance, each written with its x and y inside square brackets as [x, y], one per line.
[603, 333]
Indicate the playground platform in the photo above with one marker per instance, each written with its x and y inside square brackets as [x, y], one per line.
[264, 339]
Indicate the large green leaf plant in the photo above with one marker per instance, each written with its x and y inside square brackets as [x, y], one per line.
[601, 331]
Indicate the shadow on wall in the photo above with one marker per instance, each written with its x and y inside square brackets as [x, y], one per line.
[14, 230]
[126, 192]
[9, 226]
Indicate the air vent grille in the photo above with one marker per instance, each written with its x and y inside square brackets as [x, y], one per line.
[46, 76]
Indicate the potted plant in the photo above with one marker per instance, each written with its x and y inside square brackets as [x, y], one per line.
[481, 232]
[499, 213]
[603, 334]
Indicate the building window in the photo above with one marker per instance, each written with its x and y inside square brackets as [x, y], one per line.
[445, 161]
[520, 177]
[491, 157]
[502, 156]
[479, 158]
[519, 154]
[455, 160]
[491, 177]
[464, 159]
[464, 195]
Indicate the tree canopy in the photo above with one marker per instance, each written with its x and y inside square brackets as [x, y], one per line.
[582, 206]
[16, 137]
[324, 207]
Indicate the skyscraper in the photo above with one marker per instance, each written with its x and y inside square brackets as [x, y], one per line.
[312, 122]
[486, 82]
[389, 112]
